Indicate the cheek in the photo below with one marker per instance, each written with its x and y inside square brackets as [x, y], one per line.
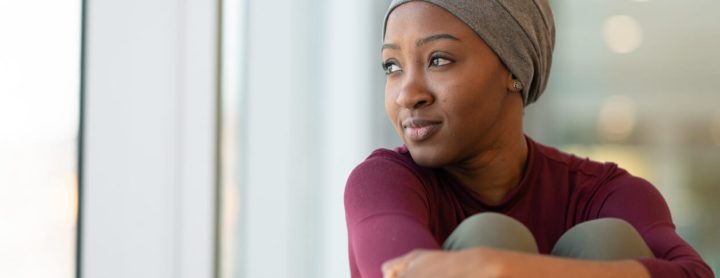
[391, 109]
[472, 105]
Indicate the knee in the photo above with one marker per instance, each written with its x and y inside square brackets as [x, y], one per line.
[491, 230]
[600, 231]
[602, 239]
[612, 227]
[491, 222]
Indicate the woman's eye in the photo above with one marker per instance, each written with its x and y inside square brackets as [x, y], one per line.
[390, 67]
[439, 61]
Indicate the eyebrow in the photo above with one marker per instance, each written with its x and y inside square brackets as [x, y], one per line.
[422, 41]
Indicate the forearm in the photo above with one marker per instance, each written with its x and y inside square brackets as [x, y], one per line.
[489, 262]
[517, 264]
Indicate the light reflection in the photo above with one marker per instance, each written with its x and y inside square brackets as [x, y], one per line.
[67, 193]
[39, 108]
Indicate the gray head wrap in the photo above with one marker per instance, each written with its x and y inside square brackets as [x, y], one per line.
[521, 32]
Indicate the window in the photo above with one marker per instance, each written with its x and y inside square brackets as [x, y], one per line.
[302, 105]
[39, 120]
[631, 87]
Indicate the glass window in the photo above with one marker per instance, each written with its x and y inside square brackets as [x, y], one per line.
[632, 87]
[39, 112]
[301, 106]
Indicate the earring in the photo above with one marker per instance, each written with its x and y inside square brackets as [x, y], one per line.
[517, 85]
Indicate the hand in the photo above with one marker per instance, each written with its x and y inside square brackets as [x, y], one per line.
[485, 262]
[476, 262]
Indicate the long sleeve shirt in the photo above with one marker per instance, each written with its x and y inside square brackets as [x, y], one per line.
[393, 206]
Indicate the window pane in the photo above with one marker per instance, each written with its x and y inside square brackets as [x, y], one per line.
[39, 112]
[302, 105]
[630, 86]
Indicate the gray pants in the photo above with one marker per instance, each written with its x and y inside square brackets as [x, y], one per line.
[600, 239]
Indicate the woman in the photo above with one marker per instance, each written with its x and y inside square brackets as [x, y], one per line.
[469, 195]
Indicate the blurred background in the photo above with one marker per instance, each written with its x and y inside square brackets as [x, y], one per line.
[213, 138]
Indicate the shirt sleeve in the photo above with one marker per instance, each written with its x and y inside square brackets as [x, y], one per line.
[639, 202]
[386, 210]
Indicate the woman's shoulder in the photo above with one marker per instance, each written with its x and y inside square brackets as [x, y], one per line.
[398, 155]
[386, 182]
[386, 169]
[384, 166]
[575, 165]
[594, 181]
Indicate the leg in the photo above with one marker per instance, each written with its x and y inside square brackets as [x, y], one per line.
[602, 239]
[491, 230]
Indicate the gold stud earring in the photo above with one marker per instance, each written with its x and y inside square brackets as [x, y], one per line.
[517, 85]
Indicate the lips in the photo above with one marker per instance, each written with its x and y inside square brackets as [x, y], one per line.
[419, 130]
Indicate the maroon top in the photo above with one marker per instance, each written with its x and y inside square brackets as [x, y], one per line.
[392, 206]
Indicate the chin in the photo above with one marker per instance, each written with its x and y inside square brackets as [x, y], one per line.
[427, 156]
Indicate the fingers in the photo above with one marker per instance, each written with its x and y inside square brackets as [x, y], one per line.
[395, 268]
[391, 268]
[390, 273]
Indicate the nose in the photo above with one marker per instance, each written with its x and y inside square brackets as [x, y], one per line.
[414, 93]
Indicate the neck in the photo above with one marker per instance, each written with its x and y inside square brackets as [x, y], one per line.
[493, 173]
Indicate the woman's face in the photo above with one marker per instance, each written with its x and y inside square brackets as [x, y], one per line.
[447, 93]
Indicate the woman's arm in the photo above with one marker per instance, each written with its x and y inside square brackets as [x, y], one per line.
[639, 203]
[488, 262]
[626, 197]
[386, 211]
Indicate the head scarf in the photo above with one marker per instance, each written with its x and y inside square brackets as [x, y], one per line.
[521, 32]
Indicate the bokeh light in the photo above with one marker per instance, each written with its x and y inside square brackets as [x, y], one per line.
[617, 118]
[623, 34]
